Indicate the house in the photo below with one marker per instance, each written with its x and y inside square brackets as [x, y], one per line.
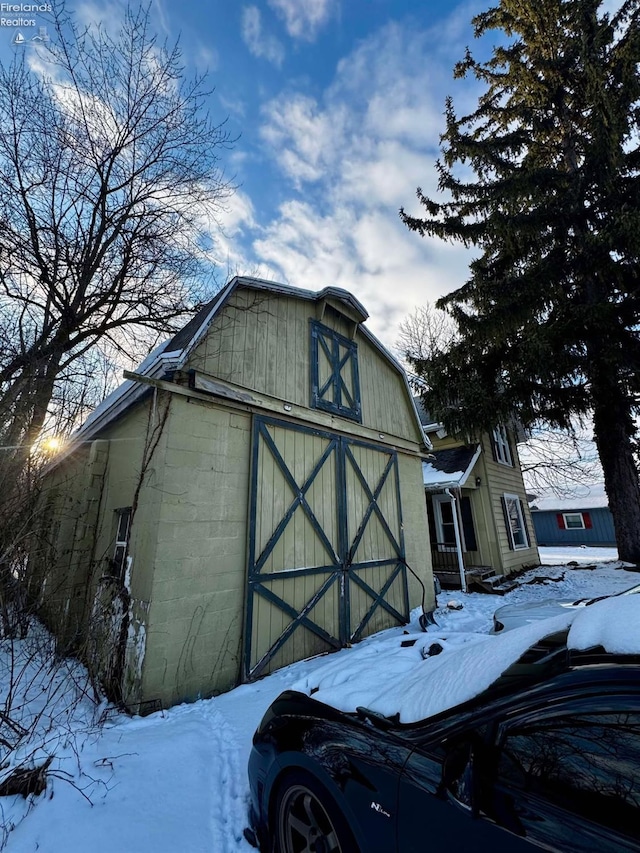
[251, 496]
[479, 521]
[574, 520]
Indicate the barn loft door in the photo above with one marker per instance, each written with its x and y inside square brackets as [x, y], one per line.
[326, 550]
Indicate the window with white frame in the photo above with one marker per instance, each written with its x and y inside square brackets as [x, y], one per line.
[443, 509]
[501, 447]
[514, 520]
[573, 521]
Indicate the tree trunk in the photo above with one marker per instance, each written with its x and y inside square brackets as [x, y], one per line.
[613, 435]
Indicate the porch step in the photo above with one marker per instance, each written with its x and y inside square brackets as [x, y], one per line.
[448, 580]
[480, 572]
[481, 578]
[496, 584]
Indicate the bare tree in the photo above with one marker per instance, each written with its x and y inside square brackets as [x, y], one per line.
[559, 462]
[109, 180]
[426, 331]
[553, 461]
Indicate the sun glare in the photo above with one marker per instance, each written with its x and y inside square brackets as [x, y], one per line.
[52, 444]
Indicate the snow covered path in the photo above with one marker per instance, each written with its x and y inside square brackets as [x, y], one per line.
[176, 782]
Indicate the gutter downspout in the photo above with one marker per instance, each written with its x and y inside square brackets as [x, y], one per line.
[456, 531]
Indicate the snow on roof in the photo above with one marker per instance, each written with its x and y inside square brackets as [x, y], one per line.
[393, 679]
[587, 497]
[432, 476]
[449, 468]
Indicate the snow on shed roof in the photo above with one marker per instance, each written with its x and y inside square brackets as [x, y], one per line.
[587, 497]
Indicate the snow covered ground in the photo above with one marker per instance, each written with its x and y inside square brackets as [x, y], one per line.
[550, 556]
[176, 780]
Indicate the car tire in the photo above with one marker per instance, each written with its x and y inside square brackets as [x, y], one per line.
[307, 818]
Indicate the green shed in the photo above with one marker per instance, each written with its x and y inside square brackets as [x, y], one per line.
[251, 496]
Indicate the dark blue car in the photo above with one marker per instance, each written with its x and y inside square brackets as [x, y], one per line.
[548, 757]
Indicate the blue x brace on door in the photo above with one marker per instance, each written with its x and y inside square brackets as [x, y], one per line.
[326, 562]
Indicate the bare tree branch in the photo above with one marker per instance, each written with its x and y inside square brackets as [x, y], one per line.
[109, 178]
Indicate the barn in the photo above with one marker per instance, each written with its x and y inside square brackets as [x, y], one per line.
[252, 495]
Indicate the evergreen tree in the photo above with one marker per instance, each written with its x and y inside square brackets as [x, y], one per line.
[543, 178]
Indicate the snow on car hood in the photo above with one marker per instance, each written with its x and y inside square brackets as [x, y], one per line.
[552, 606]
[390, 678]
[613, 623]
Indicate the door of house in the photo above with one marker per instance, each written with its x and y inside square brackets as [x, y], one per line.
[326, 547]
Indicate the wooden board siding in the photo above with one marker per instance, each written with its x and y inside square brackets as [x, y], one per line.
[262, 342]
[377, 542]
[601, 531]
[193, 523]
[501, 479]
[283, 547]
[326, 562]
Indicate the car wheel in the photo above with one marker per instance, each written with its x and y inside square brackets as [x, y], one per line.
[308, 820]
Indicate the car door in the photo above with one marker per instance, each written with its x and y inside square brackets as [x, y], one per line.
[439, 810]
[564, 777]
[569, 780]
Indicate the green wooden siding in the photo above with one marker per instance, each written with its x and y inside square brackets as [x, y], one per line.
[262, 342]
[190, 532]
[326, 558]
[507, 479]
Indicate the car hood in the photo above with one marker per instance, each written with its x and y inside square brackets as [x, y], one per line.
[538, 609]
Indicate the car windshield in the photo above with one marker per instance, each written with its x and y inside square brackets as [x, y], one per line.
[632, 591]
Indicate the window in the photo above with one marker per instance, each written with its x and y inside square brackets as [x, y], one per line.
[443, 533]
[585, 763]
[122, 541]
[501, 447]
[335, 384]
[445, 525]
[574, 520]
[514, 521]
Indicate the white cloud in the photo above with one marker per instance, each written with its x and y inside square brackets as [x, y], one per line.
[304, 18]
[206, 59]
[260, 44]
[352, 158]
[611, 6]
[226, 225]
[302, 136]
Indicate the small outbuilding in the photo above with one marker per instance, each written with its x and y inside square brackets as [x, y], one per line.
[574, 520]
[251, 496]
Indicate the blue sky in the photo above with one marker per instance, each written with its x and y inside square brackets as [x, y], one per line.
[338, 107]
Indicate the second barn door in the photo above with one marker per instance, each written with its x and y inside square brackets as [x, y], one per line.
[326, 549]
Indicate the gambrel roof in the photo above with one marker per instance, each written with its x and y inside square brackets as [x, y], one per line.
[173, 354]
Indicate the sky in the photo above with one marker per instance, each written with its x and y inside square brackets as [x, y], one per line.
[337, 108]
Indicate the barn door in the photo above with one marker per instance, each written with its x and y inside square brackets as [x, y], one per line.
[326, 552]
[377, 584]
